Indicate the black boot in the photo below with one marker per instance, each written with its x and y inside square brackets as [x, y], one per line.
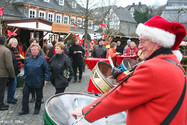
[23, 112]
[2, 108]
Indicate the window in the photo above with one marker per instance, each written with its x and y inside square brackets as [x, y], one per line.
[51, 17]
[41, 14]
[79, 22]
[74, 5]
[32, 13]
[46, 0]
[66, 20]
[90, 24]
[61, 2]
[58, 18]
[73, 20]
[132, 9]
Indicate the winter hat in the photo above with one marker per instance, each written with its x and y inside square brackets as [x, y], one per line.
[129, 40]
[101, 39]
[160, 31]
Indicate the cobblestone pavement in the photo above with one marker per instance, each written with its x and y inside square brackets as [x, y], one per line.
[11, 117]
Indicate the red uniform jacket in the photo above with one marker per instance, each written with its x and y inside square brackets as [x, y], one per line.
[148, 95]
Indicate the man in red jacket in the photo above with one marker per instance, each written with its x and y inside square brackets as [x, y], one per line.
[155, 86]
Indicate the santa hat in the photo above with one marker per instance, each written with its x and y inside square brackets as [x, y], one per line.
[160, 31]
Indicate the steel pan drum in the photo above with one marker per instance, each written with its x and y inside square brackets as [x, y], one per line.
[127, 64]
[58, 110]
[99, 75]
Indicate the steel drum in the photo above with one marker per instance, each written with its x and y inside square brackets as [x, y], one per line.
[99, 75]
[58, 110]
[127, 64]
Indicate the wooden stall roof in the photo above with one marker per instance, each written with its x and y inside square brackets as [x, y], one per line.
[123, 39]
[39, 24]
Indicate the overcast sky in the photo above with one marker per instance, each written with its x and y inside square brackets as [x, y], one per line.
[123, 3]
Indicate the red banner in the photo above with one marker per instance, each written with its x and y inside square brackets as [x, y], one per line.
[102, 25]
[1, 11]
[11, 33]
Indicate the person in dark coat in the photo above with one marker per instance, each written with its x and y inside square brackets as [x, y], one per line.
[60, 68]
[76, 52]
[16, 58]
[119, 47]
[52, 50]
[36, 74]
[99, 50]
[28, 54]
[66, 50]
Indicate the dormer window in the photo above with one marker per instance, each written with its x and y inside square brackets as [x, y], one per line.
[61, 2]
[47, 1]
[51, 17]
[32, 13]
[74, 5]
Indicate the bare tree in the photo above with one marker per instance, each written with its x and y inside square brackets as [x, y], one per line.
[4, 5]
[107, 13]
[88, 6]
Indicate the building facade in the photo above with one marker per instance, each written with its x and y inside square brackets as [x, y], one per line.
[176, 11]
[117, 21]
[58, 11]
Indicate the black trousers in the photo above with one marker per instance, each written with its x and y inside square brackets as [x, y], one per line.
[33, 93]
[75, 66]
[3, 82]
[60, 90]
[25, 101]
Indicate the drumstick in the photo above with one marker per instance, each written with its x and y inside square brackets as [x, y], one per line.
[129, 65]
[76, 121]
[111, 62]
[76, 105]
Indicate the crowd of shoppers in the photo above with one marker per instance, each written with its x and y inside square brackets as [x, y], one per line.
[65, 62]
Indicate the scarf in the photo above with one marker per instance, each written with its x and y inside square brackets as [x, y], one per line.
[18, 58]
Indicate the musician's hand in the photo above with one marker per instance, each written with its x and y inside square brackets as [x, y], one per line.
[77, 112]
[116, 72]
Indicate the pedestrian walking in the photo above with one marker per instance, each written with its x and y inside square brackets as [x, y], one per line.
[77, 53]
[36, 74]
[59, 65]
